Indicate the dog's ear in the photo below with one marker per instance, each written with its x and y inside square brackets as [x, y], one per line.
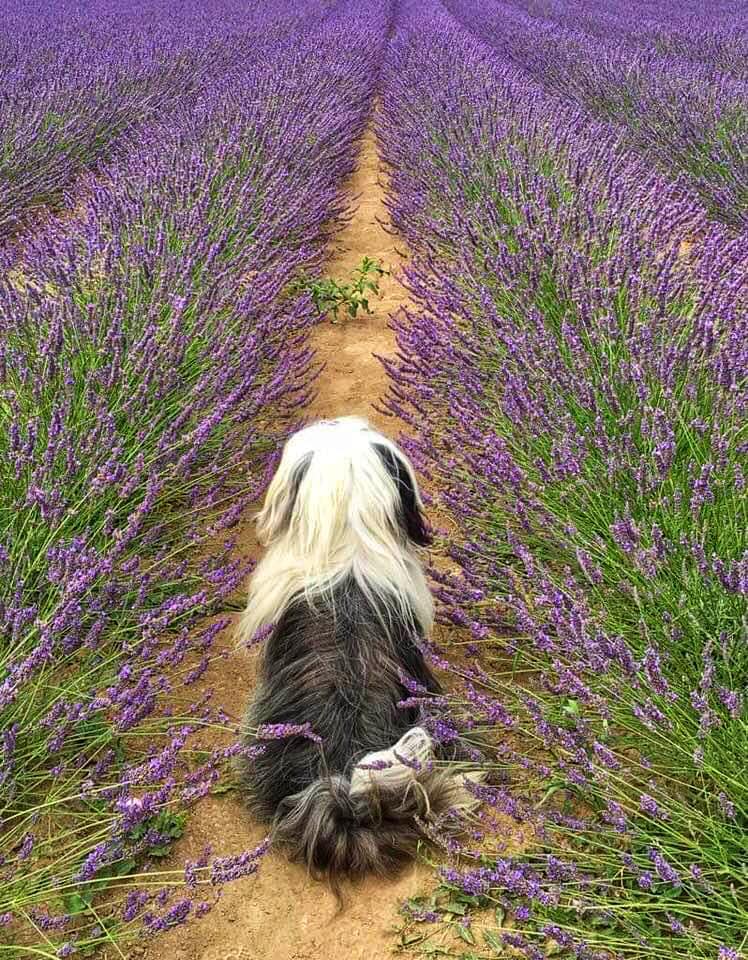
[275, 517]
[410, 517]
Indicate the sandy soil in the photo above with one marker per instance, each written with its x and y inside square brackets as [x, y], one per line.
[281, 914]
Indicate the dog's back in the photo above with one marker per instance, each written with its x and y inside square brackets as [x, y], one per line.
[337, 666]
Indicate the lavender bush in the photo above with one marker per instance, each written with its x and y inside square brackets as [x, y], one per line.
[151, 359]
[575, 380]
[713, 34]
[688, 116]
[79, 83]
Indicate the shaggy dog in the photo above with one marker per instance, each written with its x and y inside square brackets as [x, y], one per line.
[343, 595]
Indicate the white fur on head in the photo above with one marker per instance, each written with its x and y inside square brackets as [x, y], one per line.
[331, 511]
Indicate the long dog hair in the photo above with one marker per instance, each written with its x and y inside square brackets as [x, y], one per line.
[344, 595]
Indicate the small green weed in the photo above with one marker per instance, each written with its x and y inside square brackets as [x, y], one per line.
[331, 296]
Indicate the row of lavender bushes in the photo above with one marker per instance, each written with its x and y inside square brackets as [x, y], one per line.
[80, 81]
[574, 379]
[150, 362]
[689, 116]
[714, 34]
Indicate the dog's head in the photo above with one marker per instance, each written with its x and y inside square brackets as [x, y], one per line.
[338, 473]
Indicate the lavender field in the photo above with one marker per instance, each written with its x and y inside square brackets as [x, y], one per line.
[570, 378]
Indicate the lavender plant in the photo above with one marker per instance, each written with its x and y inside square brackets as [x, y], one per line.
[713, 34]
[150, 364]
[688, 116]
[80, 84]
[575, 381]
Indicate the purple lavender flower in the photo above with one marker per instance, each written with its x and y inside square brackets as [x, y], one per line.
[732, 700]
[650, 806]
[26, 847]
[727, 953]
[225, 869]
[149, 356]
[676, 926]
[645, 880]
[664, 870]
[280, 731]
[173, 917]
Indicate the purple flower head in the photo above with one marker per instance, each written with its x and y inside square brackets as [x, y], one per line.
[26, 847]
[732, 700]
[173, 917]
[423, 916]
[261, 635]
[133, 905]
[676, 926]
[664, 870]
[376, 765]
[225, 869]
[650, 806]
[645, 881]
[728, 953]
[281, 731]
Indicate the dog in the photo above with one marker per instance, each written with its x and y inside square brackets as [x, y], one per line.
[343, 598]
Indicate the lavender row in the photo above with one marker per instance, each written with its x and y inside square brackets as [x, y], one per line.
[715, 35]
[574, 379]
[151, 362]
[78, 84]
[688, 117]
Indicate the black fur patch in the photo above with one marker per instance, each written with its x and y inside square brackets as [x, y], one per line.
[339, 672]
[297, 475]
[411, 519]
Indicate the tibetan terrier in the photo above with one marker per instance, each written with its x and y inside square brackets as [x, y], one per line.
[344, 599]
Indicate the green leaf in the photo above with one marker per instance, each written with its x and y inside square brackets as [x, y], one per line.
[76, 903]
[162, 850]
[466, 934]
[454, 907]
[500, 915]
[224, 788]
[667, 892]
[493, 942]
[552, 947]
[406, 939]
[470, 898]
[416, 903]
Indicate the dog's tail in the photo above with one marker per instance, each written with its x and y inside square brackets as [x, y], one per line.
[341, 827]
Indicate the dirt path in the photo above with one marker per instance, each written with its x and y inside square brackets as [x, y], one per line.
[280, 914]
